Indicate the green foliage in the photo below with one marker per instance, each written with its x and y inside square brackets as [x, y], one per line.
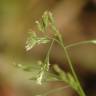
[66, 77]
[42, 26]
[43, 73]
[34, 40]
[40, 73]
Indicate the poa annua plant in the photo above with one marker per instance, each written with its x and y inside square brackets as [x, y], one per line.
[43, 73]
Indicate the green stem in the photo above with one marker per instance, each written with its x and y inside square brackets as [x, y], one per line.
[80, 90]
[48, 53]
[46, 65]
[73, 72]
[80, 43]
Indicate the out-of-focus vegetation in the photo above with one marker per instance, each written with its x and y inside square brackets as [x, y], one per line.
[76, 21]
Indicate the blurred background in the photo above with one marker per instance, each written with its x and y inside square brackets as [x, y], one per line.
[76, 20]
